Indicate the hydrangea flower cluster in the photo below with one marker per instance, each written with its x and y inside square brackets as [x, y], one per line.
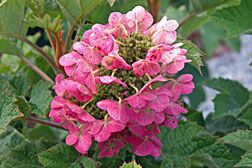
[119, 87]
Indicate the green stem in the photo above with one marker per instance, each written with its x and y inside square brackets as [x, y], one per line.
[68, 38]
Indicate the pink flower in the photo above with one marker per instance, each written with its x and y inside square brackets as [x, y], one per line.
[107, 80]
[116, 110]
[183, 85]
[70, 88]
[63, 110]
[171, 122]
[141, 98]
[112, 146]
[175, 109]
[79, 70]
[116, 22]
[156, 53]
[144, 142]
[102, 40]
[89, 53]
[177, 65]
[114, 61]
[80, 138]
[138, 19]
[102, 129]
[143, 67]
[164, 31]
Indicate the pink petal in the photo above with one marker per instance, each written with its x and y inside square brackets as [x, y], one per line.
[108, 80]
[72, 139]
[69, 59]
[143, 67]
[145, 117]
[83, 143]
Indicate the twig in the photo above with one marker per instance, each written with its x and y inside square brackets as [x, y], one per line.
[44, 122]
[39, 50]
[68, 37]
[59, 49]
[188, 18]
[154, 6]
[37, 70]
[51, 40]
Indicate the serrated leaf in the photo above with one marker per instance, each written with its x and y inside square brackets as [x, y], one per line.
[132, 164]
[41, 96]
[200, 13]
[232, 98]
[193, 53]
[188, 140]
[246, 160]
[246, 114]
[64, 156]
[209, 5]
[240, 138]
[223, 124]
[8, 108]
[11, 16]
[193, 24]
[81, 8]
[24, 155]
[236, 20]
[8, 140]
[7, 47]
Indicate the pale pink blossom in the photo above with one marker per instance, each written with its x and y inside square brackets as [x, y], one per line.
[114, 61]
[143, 67]
[164, 31]
[107, 80]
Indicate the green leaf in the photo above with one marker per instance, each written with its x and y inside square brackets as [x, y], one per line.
[40, 132]
[7, 47]
[240, 138]
[246, 160]
[194, 53]
[183, 146]
[232, 98]
[200, 13]
[210, 5]
[64, 156]
[111, 2]
[41, 96]
[148, 161]
[8, 109]
[8, 140]
[223, 124]
[11, 16]
[103, 10]
[246, 114]
[75, 10]
[236, 20]
[132, 164]
[25, 155]
[193, 24]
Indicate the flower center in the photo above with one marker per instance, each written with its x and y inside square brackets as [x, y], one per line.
[134, 47]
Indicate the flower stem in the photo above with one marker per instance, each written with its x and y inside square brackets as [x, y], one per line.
[42, 74]
[68, 37]
[44, 122]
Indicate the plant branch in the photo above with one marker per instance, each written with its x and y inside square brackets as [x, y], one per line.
[68, 37]
[37, 70]
[186, 19]
[37, 48]
[44, 122]
[59, 49]
[51, 40]
[154, 6]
